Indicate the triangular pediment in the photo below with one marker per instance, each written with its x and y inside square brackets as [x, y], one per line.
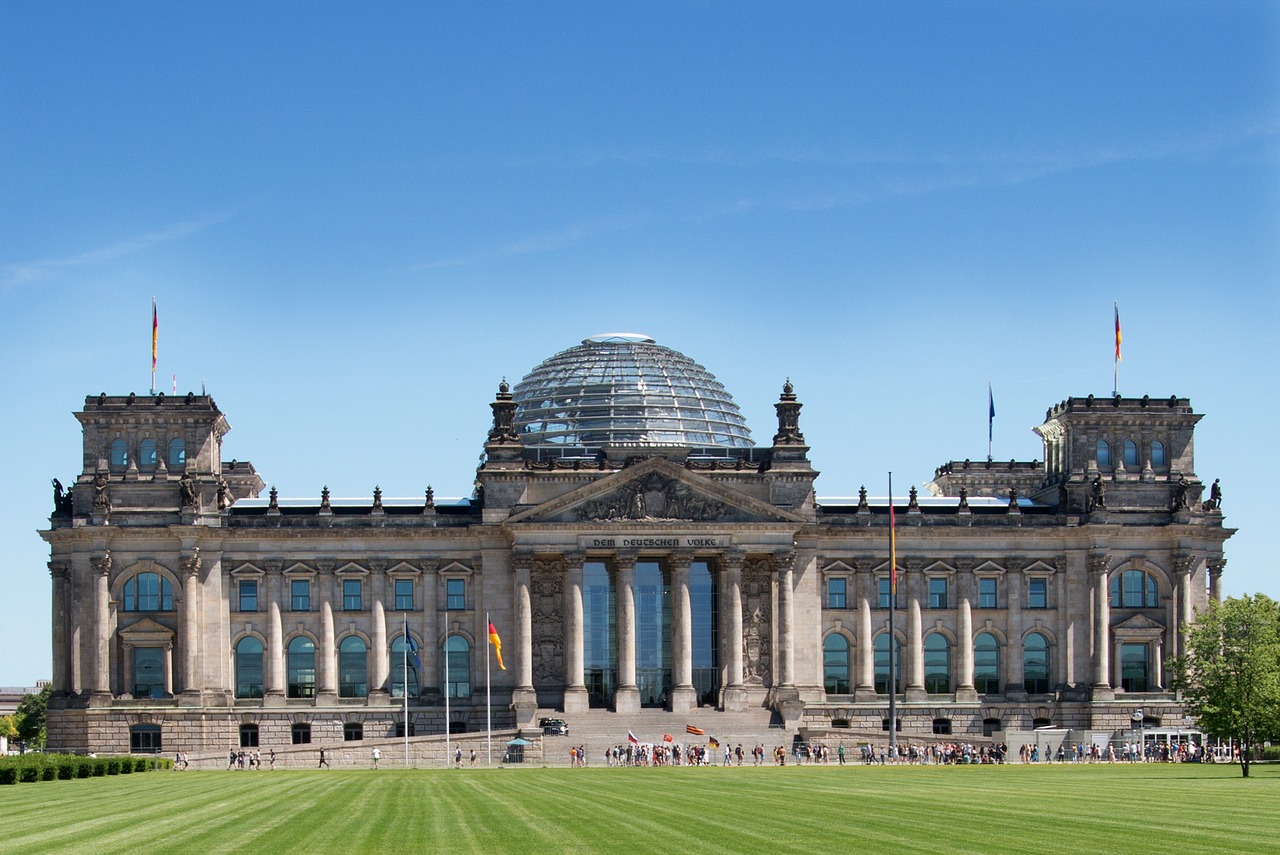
[1138, 622]
[655, 490]
[146, 630]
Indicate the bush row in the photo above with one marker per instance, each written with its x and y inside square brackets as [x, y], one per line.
[29, 768]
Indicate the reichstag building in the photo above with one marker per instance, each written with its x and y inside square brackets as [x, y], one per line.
[640, 553]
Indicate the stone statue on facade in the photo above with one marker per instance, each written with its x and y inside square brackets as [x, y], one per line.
[1180, 493]
[187, 490]
[101, 501]
[1098, 496]
[1215, 497]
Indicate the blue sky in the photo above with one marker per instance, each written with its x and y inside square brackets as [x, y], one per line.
[357, 219]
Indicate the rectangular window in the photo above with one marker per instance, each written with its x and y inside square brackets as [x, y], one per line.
[836, 593]
[883, 586]
[404, 595]
[987, 593]
[1037, 593]
[455, 594]
[148, 672]
[301, 734]
[352, 601]
[300, 595]
[248, 595]
[352, 731]
[937, 593]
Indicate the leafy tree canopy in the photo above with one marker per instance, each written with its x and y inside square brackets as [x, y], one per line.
[1230, 675]
[30, 716]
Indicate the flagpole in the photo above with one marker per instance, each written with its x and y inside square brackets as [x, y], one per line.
[488, 696]
[155, 334]
[991, 418]
[1115, 380]
[891, 683]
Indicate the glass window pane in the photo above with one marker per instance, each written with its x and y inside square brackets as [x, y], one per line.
[404, 595]
[836, 593]
[248, 595]
[835, 664]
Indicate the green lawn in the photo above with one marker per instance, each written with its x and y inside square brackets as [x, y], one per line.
[1042, 809]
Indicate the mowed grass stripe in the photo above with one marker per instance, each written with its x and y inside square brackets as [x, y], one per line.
[989, 810]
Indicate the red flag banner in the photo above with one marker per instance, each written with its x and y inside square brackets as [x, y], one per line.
[497, 645]
[1118, 336]
[696, 731]
[666, 737]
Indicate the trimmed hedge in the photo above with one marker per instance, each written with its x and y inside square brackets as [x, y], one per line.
[29, 768]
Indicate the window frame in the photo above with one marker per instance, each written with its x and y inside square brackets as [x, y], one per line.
[939, 592]
[245, 597]
[352, 595]
[988, 599]
[176, 459]
[455, 601]
[1102, 454]
[299, 595]
[837, 592]
[400, 601]
[300, 733]
[836, 674]
[1042, 596]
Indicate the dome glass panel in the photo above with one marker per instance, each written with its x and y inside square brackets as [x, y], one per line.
[625, 388]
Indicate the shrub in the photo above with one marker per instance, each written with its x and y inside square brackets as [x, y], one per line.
[66, 768]
[84, 768]
[49, 772]
[126, 765]
[1271, 752]
[139, 764]
[29, 773]
[112, 765]
[97, 767]
[8, 774]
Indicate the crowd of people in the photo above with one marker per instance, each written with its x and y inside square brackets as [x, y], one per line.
[1116, 752]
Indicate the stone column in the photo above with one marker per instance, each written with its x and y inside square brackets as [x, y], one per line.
[380, 651]
[1117, 665]
[275, 584]
[964, 652]
[328, 689]
[168, 669]
[1011, 682]
[1102, 689]
[785, 563]
[524, 697]
[191, 682]
[432, 643]
[866, 678]
[60, 573]
[1216, 566]
[735, 693]
[915, 645]
[126, 668]
[102, 628]
[1183, 566]
[1157, 664]
[683, 695]
[627, 697]
[575, 690]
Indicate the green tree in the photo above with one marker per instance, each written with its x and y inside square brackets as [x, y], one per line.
[29, 718]
[1230, 675]
[7, 728]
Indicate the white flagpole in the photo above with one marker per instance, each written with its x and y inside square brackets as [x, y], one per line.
[488, 699]
[448, 752]
[405, 675]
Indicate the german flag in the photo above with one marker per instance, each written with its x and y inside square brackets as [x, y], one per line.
[696, 731]
[713, 742]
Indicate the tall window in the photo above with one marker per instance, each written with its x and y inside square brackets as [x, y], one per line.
[986, 664]
[1158, 457]
[147, 454]
[455, 594]
[148, 672]
[938, 593]
[1130, 453]
[148, 592]
[248, 589]
[400, 652]
[404, 595]
[988, 593]
[177, 455]
[458, 650]
[883, 590]
[836, 593]
[1038, 593]
[1035, 664]
[835, 664]
[353, 666]
[300, 595]
[1134, 589]
[352, 599]
[1104, 454]
[248, 667]
[119, 455]
[705, 634]
[882, 664]
[1133, 667]
[653, 633]
[600, 655]
[302, 667]
[937, 664]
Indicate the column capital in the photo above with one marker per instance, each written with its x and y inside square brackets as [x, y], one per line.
[522, 559]
[1184, 563]
[1216, 566]
[1100, 565]
[680, 559]
[574, 558]
[60, 570]
[378, 565]
[191, 564]
[325, 566]
[784, 560]
[625, 558]
[102, 563]
[733, 559]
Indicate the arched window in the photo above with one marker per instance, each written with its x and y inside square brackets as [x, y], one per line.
[882, 664]
[248, 667]
[399, 653]
[1035, 664]
[986, 664]
[119, 454]
[1104, 454]
[148, 592]
[937, 664]
[302, 667]
[147, 454]
[177, 455]
[353, 667]
[1158, 458]
[1130, 453]
[458, 650]
[1134, 589]
[835, 664]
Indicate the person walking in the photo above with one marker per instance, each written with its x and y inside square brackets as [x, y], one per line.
[377, 755]
[324, 762]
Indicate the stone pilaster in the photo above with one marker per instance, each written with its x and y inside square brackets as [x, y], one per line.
[60, 575]
[1216, 566]
[1099, 566]
[683, 695]
[102, 629]
[275, 585]
[524, 699]
[191, 683]
[575, 691]
[735, 693]
[627, 698]
[327, 690]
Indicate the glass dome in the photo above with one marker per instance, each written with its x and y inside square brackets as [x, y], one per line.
[625, 388]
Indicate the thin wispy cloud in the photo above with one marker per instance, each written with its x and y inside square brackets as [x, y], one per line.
[24, 272]
[546, 241]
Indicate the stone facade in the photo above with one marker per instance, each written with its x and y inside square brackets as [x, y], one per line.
[187, 611]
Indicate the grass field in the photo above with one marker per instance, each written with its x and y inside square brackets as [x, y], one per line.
[1010, 809]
